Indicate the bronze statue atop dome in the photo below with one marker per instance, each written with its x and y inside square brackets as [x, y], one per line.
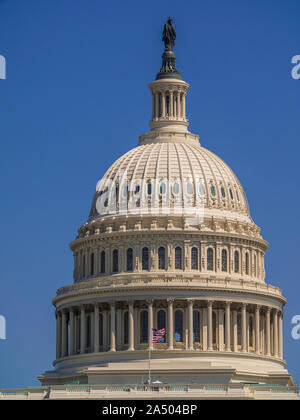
[168, 68]
[169, 34]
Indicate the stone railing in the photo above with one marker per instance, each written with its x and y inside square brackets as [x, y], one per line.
[157, 390]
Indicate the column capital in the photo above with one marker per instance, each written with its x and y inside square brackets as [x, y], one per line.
[191, 302]
[244, 305]
[150, 302]
[170, 301]
[228, 303]
[268, 309]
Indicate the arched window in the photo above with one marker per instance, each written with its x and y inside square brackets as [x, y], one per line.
[101, 329]
[102, 262]
[247, 263]
[129, 259]
[145, 258]
[161, 323]
[210, 259]
[196, 326]
[144, 327]
[126, 328]
[161, 258]
[92, 262]
[195, 264]
[178, 258]
[239, 329]
[115, 261]
[214, 327]
[83, 266]
[178, 326]
[224, 260]
[236, 262]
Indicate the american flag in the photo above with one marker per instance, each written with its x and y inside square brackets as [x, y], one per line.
[158, 334]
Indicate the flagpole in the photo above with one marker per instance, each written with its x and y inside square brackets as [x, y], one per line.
[149, 379]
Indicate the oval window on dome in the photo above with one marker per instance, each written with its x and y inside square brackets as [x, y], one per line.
[189, 188]
[149, 188]
[137, 189]
[223, 192]
[231, 194]
[237, 194]
[162, 188]
[201, 189]
[176, 188]
[213, 190]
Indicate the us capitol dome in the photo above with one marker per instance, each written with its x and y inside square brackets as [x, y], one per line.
[169, 244]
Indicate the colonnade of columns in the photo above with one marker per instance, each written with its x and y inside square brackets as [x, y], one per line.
[168, 104]
[204, 325]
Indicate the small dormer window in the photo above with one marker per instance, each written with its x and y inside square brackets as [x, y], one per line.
[213, 190]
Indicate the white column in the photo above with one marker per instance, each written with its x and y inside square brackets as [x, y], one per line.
[227, 327]
[204, 328]
[190, 325]
[170, 322]
[153, 106]
[112, 326]
[58, 334]
[210, 326]
[163, 104]
[275, 322]
[280, 335]
[183, 105]
[235, 331]
[82, 330]
[150, 323]
[130, 326]
[72, 332]
[96, 328]
[244, 328]
[156, 105]
[268, 332]
[257, 329]
[64, 337]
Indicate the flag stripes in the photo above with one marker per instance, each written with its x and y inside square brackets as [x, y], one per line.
[158, 334]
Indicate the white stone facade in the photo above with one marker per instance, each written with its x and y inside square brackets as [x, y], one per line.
[153, 267]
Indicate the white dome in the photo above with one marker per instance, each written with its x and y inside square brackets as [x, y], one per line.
[179, 162]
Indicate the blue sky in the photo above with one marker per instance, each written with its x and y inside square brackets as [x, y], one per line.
[76, 98]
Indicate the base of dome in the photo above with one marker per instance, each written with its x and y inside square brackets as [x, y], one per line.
[173, 367]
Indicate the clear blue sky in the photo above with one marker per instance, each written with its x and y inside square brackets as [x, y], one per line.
[76, 98]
